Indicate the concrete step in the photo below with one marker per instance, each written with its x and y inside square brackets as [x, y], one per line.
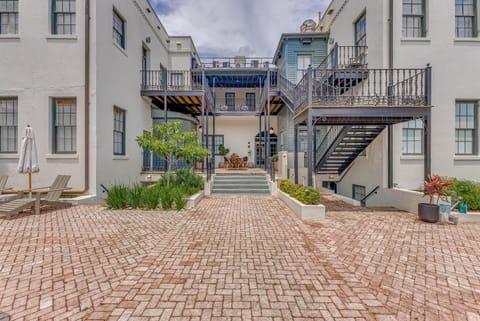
[241, 191]
[240, 184]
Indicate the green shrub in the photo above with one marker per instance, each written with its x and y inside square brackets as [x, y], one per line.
[468, 190]
[288, 187]
[166, 198]
[150, 197]
[179, 199]
[306, 195]
[117, 197]
[134, 195]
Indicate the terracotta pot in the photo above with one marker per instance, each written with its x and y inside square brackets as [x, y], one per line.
[429, 212]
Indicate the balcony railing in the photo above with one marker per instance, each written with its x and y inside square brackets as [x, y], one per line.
[370, 87]
[346, 57]
[237, 62]
[174, 80]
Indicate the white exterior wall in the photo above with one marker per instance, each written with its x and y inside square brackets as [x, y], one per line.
[36, 66]
[455, 77]
[238, 131]
[41, 66]
[455, 70]
[118, 84]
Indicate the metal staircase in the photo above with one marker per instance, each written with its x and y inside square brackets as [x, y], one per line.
[341, 145]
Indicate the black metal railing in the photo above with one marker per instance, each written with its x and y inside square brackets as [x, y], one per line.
[237, 62]
[346, 57]
[327, 141]
[371, 87]
[271, 168]
[154, 163]
[210, 168]
[174, 80]
[363, 201]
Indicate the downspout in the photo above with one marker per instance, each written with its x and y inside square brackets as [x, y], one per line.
[390, 66]
[87, 96]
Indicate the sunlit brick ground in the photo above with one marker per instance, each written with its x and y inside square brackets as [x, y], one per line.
[237, 258]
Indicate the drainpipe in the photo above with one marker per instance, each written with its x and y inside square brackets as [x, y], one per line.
[87, 96]
[390, 66]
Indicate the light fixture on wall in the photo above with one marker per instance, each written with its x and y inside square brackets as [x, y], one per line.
[271, 131]
[148, 39]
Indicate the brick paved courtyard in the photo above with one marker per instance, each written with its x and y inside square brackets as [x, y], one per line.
[237, 258]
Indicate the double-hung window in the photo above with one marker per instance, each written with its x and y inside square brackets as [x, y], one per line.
[466, 125]
[230, 100]
[64, 125]
[118, 131]
[466, 18]
[250, 101]
[8, 16]
[8, 124]
[412, 137]
[361, 31]
[63, 17]
[413, 20]
[118, 30]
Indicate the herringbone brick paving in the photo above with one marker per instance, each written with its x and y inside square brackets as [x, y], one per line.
[421, 271]
[237, 258]
[59, 265]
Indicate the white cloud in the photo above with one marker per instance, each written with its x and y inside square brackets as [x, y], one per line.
[229, 27]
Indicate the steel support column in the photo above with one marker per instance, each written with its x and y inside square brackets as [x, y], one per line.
[390, 156]
[258, 150]
[310, 149]
[267, 127]
[427, 124]
[295, 152]
[165, 118]
[427, 143]
[213, 122]
[265, 141]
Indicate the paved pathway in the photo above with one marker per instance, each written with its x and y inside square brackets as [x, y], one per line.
[237, 258]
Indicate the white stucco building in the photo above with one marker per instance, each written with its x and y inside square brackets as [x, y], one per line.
[72, 70]
[90, 76]
[412, 34]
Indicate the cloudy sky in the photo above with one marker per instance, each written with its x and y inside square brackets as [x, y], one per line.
[236, 27]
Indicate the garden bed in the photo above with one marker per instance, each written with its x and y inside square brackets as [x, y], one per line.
[194, 200]
[315, 213]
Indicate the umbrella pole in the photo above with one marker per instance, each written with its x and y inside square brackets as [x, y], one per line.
[30, 185]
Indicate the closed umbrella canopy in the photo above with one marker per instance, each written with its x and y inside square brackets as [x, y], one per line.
[28, 162]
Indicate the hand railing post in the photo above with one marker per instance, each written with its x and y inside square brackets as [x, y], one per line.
[309, 78]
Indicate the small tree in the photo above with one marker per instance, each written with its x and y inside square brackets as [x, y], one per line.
[170, 143]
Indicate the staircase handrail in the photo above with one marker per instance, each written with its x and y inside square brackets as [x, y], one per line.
[363, 201]
[329, 138]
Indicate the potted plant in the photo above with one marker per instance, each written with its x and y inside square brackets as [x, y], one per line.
[275, 162]
[222, 151]
[434, 186]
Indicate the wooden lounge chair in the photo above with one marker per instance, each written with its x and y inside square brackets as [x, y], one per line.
[16, 206]
[52, 199]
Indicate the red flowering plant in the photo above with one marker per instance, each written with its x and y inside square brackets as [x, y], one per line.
[436, 186]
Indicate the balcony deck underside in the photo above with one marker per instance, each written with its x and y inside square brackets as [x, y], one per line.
[190, 102]
[360, 114]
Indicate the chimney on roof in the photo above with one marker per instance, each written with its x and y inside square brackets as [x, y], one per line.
[319, 17]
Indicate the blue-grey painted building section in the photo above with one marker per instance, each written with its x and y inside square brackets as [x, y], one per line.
[288, 49]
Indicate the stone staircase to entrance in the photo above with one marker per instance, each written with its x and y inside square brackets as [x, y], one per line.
[240, 184]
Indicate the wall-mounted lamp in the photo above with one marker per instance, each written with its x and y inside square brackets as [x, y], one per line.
[148, 39]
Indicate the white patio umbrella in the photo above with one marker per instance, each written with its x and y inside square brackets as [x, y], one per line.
[28, 162]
